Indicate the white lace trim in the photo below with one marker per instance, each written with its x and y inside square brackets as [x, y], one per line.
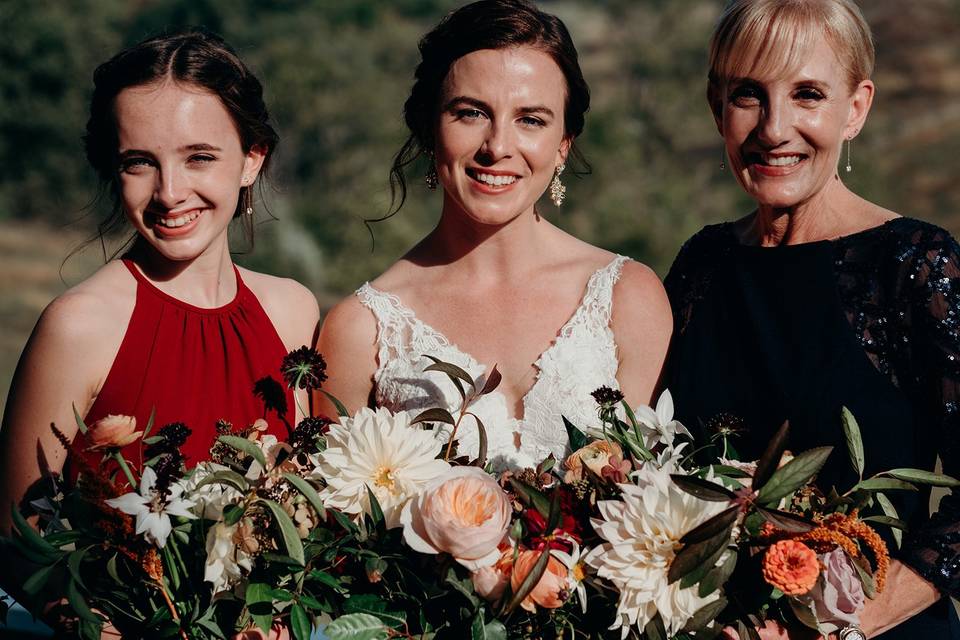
[581, 358]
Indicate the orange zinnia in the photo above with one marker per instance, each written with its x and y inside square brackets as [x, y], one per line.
[791, 566]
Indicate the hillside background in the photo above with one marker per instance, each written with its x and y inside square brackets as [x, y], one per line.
[336, 74]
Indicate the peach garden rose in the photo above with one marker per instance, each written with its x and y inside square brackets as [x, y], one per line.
[595, 456]
[113, 432]
[551, 591]
[464, 513]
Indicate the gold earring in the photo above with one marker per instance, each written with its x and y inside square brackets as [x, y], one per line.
[557, 189]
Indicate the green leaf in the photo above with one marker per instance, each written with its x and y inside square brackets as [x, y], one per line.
[767, 463]
[376, 511]
[805, 613]
[793, 475]
[228, 477]
[344, 521]
[866, 577]
[655, 629]
[245, 446]
[854, 442]
[150, 421]
[695, 555]
[35, 583]
[291, 540]
[79, 604]
[924, 477]
[705, 615]
[884, 484]
[81, 425]
[325, 578]
[896, 523]
[703, 489]
[341, 410]
[259, 600]
[374, 605]
[300, 623]
[357, 626]
[891, 511]
[578, 439]
[712, 526]
[728, 471]
[531, 581]
[73, 564]
[531, 496]
[30, 537]
[112, 570]
[718, 576]
[434, 415]
[492, 631]
[785, 520]
[307, 491]
[696, 576]
[232, 513]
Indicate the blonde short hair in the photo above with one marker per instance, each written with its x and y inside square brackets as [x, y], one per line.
[763, 38]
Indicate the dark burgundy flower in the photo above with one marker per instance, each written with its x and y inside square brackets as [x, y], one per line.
[306, 433]
[607, 397]
[304, 368]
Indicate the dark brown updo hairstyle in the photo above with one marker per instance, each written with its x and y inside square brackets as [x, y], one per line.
[195, 57]
[486, 24]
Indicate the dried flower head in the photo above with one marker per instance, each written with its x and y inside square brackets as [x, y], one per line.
[726, 425]
[304, 368]
[306, 433]
[607, 397]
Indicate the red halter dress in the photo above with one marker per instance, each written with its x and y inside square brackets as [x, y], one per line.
[195, 366]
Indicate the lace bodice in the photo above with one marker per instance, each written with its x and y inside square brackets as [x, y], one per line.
[581, 358]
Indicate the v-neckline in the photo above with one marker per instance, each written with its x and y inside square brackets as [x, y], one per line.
[473, 363]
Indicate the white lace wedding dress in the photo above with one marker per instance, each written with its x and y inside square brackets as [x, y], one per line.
[581, 358]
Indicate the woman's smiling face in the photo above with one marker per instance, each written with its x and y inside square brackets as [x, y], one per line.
[784, 134]
[181, 166]
[500, 134]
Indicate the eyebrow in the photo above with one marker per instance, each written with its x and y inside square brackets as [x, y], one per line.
[820, 84]
[199, 146]
[480, 104]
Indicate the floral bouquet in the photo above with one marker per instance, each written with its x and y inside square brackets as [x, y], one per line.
[162, 551]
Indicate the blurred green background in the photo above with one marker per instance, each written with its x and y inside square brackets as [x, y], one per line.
[336, 75]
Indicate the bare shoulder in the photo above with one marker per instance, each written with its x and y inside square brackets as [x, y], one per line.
[640, 299]
[349, 322]
[290, 306]
[97, 308]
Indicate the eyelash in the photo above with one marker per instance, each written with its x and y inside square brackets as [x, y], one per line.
[475, 114]
[805, 94]
[134, 164]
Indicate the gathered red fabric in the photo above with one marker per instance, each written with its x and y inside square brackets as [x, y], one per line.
[195, 366]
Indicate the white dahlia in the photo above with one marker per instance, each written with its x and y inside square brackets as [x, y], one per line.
[643, 530]
[382, 451]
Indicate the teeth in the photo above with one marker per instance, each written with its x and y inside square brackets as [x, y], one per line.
[781, 161]
[496, 181]
[179, 221]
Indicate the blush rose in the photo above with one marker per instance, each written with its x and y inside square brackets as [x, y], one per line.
[113, 432]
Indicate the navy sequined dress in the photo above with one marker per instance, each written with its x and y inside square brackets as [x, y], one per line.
[869, 321]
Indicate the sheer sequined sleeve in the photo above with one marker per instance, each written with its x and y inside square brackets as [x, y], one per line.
[932, 281]
[690, 275]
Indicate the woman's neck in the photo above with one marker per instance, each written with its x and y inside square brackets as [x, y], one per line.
[205, 281]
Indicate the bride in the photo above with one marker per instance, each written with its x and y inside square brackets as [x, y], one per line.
[498, 101]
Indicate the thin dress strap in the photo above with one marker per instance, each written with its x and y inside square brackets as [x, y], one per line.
[597, 305]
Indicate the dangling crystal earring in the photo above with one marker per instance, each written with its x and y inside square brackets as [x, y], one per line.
[249, 211]
[723, 158]
[432, 179]
[849, 166]
[557, 190]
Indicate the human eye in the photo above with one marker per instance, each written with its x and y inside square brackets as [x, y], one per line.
[745, 95]
[532, 121]
[468, 113]
[809, 94]
[135, 164]
[201, 158]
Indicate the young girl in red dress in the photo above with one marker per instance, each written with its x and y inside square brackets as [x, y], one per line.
[179, 135]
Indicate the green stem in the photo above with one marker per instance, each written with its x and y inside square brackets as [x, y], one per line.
[125, 468]
[172, 542]
[296, 399]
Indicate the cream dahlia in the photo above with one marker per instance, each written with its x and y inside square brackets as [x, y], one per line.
[643, 531]
[382, 451]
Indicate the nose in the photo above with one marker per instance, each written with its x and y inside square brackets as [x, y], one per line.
[775, 122]
[498, 143]
[171, 188]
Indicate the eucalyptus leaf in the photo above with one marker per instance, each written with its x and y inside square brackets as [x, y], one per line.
[718, 576]
[703, 489]
[891, 511]
[896, 523]
[793, 475]
[35, 582]
[81, 425]
[924, 477]
[768, 461]
[805, 614]
[481, 460]
[79, 604]
[854, 441]
[434, 415]
[532, 496]
[228, 477]
[341, 410]
[531, 581]
[245, 446]
[307, 491]
[705, 615]
[785, 520]
[884, 484]
[492, 382]
[693, 556]
[655, 629]
[288, 530]
[712, 526]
